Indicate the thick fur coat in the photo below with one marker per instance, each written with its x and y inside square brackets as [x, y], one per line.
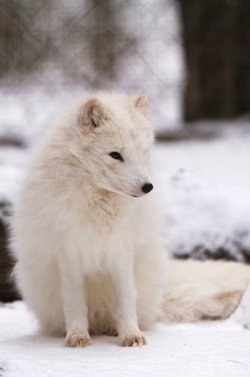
[88, 234]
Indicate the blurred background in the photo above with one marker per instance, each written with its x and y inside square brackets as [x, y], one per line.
[60, 48]
[191, 58]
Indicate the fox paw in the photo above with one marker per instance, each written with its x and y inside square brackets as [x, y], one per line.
[133, 339]
[77, 340]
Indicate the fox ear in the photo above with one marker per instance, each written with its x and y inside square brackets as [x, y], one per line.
[141, 103]
[92, 114]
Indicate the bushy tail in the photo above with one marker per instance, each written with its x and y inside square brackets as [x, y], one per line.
[198, 290]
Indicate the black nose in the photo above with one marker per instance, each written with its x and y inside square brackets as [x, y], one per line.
[147, 187]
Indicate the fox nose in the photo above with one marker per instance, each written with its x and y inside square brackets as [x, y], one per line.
[147, 187]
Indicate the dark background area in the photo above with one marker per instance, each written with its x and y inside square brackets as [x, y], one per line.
[216, 40]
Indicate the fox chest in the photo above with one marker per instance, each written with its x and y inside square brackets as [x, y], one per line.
[99, 244]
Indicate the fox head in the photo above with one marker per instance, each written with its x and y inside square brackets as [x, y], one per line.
[114, 143]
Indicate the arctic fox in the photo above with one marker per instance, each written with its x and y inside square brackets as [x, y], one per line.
[88, 234]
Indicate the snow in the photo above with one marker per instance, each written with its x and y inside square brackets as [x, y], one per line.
[12, 167]
[242, 314]
[205, 188]
[27, 111]
[204, 350]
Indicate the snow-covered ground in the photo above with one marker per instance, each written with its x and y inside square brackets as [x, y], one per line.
[205, 350]
[205, 188]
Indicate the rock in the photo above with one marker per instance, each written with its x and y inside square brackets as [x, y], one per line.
[8, 291]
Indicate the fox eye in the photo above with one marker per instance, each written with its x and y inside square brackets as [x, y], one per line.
[116, 156]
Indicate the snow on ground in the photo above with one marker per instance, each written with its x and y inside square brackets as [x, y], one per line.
[205, 350]
[205, 188]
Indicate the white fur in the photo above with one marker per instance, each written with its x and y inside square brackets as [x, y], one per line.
[198, 290]
[90, 255]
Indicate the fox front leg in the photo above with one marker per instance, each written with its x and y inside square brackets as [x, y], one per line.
[74, 302]
[127, 323]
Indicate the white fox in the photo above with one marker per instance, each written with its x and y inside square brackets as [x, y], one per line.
[88, 234]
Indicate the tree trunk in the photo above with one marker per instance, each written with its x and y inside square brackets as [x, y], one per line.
[216, 37]
[103, 40]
